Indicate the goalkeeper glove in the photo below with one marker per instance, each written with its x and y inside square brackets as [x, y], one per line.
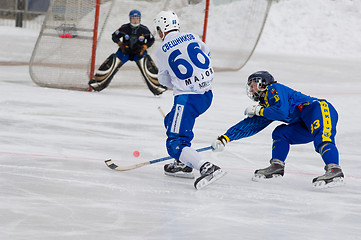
[253, 110]
[219, 144]
[123, 47]
[142, 49]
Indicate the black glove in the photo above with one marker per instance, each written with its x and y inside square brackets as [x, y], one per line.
[124, 48]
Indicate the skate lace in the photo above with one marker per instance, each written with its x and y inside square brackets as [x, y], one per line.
[176, 164]
[206, 167]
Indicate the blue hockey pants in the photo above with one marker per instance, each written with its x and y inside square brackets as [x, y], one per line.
[180, 121]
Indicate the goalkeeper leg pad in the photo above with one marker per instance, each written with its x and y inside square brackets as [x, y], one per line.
[105, 73]
[149, 71]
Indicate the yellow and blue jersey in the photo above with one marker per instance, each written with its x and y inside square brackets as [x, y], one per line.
[282, 103]
[307, 119]
[279, 103]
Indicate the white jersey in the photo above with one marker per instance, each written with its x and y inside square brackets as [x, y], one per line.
[184, 64]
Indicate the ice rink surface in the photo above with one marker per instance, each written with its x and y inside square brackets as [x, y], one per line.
[53, 143]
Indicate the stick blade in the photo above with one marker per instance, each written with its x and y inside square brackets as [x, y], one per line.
[110, 164]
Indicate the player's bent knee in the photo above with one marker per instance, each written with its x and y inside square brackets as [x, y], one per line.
[322, 146]
[279, 133]
[175, 147]
[174, 151]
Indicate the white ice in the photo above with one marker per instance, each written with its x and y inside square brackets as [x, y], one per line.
[53, 143]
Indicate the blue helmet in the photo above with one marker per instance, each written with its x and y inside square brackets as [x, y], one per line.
[263, 79]
[135, 13]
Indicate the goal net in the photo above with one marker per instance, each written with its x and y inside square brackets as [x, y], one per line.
[234, 28]
[61, 57]
[63, 53]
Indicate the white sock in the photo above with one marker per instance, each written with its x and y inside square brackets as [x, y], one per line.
[191, 158]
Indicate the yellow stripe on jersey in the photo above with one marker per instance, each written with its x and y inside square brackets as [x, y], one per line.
[266, 105]
[326, 118]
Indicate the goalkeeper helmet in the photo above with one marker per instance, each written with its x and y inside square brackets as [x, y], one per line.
[166, 21]
[261, 80]
[135, 14]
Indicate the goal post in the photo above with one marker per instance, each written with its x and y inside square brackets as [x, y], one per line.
[75, 37]
[206, 10]
[95, 39]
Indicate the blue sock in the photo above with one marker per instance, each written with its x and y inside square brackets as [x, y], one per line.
[329, 153]
[280, 149]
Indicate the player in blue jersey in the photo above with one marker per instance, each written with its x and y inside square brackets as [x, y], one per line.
[307, 119]
[184, 65]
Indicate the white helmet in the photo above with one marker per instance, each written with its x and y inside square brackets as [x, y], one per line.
[166, 21]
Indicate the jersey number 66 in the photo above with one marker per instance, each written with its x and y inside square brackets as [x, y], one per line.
[193, 51]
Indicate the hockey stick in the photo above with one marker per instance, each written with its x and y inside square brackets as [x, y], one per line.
[113, 166]
[161, 111]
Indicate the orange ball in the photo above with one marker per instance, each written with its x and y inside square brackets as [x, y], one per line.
[136, 153]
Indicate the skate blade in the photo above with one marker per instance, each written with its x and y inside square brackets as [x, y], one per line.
[180, 175]
[339, 181]
[206, 181]
[260, 177]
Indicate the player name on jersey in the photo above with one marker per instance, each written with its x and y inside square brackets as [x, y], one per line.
[200, 78]
[175, 42]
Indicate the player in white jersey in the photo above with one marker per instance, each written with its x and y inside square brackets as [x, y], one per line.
[184, 65]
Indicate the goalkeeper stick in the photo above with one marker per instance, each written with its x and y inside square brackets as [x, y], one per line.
[113, 166]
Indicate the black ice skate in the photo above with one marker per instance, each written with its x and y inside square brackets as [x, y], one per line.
[178, 169]
[277, 169]
[209, 174]
[332, 178]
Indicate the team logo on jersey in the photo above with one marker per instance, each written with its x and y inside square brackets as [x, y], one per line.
[273, 90]
[141, 38]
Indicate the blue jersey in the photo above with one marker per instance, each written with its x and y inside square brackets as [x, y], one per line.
[280, 103]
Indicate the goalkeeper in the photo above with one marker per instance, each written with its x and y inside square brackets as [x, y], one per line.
[133, 40]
